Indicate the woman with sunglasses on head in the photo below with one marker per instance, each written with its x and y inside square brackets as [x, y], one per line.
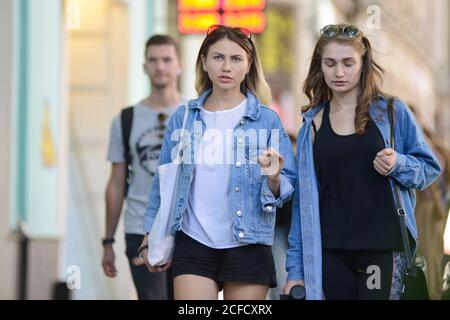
[345, 239]
[243, 169]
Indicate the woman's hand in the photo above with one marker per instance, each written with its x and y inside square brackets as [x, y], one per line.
[384, 161]
[143, 255]
[291, 283]
[272, 163]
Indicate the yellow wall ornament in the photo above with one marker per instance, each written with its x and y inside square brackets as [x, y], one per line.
[48, 152]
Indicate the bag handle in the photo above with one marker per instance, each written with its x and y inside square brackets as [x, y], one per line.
[183, 129]
[398, 199]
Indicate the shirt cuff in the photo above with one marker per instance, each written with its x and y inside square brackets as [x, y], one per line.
[296, 275]
[148, 223]
[268, 200]
[399, 163]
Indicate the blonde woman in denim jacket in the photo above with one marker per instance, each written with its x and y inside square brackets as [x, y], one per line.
[225, 206]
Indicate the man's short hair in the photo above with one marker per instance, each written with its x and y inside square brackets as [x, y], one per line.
[160, 39]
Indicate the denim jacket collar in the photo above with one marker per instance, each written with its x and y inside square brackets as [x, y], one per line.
[311, 113]
[377, 109]
[253, 104]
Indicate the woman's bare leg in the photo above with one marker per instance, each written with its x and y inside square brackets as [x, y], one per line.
[192, 287]
[244, 291]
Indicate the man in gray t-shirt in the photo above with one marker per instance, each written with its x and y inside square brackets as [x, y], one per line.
[145, 145]
[149, 120]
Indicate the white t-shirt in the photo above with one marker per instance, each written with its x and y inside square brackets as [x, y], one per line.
[208, 216]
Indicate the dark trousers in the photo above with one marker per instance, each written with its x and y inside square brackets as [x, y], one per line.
[357, 275]
[149, 286]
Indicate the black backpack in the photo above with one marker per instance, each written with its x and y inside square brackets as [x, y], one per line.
[126, 121]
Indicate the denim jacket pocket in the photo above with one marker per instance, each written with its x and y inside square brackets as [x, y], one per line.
[252, 168]
[253, 173]
[251, 154]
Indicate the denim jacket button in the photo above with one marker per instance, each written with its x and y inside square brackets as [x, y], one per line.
[240, 141]
[237, 189]
[238, 164]
[241, 235]
[239, 213]
[269, 208]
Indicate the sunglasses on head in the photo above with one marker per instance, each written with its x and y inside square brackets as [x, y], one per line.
[332, 30]
[215, 27]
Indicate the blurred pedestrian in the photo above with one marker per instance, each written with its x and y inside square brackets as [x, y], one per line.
[431, 214]
[134, 148]
[345, 240]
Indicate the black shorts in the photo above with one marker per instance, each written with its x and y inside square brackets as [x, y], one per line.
[251, 263]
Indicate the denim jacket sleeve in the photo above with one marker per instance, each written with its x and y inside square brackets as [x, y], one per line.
[287, 176]
[294, 258]
[164, 157]
[416, 165]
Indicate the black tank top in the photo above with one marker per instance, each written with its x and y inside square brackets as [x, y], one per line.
[357, 209]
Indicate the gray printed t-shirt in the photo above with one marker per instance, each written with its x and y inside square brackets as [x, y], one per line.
[146, 139]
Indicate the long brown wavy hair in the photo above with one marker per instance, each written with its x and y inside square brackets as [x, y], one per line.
[254, 81]
[372, 74]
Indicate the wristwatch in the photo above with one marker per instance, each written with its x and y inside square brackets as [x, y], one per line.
[106, 241]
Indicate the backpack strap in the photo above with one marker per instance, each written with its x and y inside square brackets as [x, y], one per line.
[126, 121]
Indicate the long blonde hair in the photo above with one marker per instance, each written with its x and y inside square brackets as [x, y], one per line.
[254, 81]
[318, 91]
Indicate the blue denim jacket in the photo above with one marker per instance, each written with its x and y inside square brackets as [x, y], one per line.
[253, 205]
[416, 168]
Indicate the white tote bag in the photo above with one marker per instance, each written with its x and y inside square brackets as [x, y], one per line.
[161, 243]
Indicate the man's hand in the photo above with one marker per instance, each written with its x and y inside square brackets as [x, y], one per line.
[108, 263]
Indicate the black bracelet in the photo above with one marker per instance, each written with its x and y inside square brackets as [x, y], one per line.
[106, 241]
[142, 248]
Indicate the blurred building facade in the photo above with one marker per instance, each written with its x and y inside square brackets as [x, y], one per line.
[69, 66]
